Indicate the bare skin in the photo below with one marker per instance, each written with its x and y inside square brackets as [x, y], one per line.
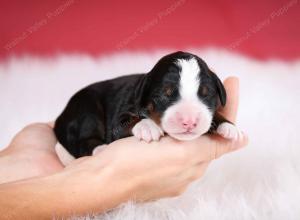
[32, 175]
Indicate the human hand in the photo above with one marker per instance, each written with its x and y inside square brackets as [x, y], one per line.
[126, 169]
[145, 171]
[30, 153]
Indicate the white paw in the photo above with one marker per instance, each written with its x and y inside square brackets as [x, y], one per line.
[229, 131]
[147, 130]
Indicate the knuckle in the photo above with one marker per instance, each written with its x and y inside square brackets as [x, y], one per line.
[182, 189]
[193, 177]
[34, 125]
[178, 191]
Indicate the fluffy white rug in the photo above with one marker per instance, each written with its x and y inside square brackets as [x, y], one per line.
[261, 181]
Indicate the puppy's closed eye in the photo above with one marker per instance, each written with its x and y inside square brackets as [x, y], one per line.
[150, 107]
[204, 91]
[168, 91]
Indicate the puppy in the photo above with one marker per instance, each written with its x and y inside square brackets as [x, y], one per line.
[179, 97]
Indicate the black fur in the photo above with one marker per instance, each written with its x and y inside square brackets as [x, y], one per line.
[107, 111]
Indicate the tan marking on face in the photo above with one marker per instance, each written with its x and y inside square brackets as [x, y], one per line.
[150, 107]
[153, 114]
[168, 91]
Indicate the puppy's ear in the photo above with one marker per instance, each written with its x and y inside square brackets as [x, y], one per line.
[141, 91]
[220, 88]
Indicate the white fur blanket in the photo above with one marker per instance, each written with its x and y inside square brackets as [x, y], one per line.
[261, 181]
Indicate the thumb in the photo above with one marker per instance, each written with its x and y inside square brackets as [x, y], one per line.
[211, 147]
[230, 110]
[222, 145]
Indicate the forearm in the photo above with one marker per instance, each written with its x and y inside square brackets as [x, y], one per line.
[61, 195]
[29, 199]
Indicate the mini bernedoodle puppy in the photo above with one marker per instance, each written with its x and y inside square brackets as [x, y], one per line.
[178, 97]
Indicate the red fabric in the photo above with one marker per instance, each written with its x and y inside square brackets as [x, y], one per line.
[262, 29]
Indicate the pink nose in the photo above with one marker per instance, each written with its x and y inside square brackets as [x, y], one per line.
[188, 122]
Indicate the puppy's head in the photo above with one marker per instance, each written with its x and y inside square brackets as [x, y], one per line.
[182, 94]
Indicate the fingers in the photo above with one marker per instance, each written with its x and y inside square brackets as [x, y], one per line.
[223, 146]
[36, 135]
[77, 161]
[196, 171]
[188, 176]
[230, 110]
[51, 124]
[210, 147]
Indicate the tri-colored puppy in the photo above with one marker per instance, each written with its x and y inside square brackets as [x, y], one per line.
[179, 97]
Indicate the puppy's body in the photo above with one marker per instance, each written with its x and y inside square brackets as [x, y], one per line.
[98, 114]
[179, 96]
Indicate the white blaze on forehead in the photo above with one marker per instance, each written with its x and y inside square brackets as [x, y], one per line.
[189, 105]
[189, 78]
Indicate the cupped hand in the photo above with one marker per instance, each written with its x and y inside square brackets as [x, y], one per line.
[148, 171]
[167, 167]
[31, 153]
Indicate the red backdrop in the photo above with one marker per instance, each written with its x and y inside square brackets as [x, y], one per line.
[262, 29]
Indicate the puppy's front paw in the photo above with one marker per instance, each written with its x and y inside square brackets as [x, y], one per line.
[147, 130]
[229, 131]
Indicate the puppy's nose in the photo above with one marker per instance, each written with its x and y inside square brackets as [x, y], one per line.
[188, 122]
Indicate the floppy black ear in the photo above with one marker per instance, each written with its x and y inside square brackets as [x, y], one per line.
[220, 88]
[140, 92]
